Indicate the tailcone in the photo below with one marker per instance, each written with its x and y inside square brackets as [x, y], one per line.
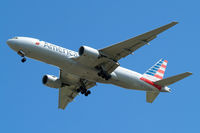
[165, 89]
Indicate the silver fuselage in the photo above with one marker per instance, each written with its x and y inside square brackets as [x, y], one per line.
[64, 59]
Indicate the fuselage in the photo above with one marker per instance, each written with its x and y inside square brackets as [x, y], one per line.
[64, 59]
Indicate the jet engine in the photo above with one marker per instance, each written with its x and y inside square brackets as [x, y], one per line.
[51, 81]
[89, 52]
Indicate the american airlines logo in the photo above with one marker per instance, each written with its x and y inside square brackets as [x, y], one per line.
[60, 49]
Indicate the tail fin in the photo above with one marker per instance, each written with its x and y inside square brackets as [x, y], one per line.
[173, 79]
[151, 96]
[157, 71]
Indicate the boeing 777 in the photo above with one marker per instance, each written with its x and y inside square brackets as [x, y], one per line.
[80, 71]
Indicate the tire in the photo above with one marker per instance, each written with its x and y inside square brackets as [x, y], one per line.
[85, 90]
[99, 74]
[23, 60]
[82, 92]
[88, 92]
[78, 90]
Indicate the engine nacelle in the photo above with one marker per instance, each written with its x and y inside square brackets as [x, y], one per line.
[89, 52]
[51, 81]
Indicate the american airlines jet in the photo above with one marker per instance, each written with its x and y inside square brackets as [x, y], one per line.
[80, 71]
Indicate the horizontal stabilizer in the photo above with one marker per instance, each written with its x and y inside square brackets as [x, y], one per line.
[151, 96]
[173, 79]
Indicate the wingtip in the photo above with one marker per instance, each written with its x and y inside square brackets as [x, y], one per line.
[189, 73]
[61, 108]
[175, 22]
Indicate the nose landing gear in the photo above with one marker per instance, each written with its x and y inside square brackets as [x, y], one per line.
[22, 54]
[23, 60]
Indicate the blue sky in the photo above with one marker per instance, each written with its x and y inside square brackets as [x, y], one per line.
[29, 106]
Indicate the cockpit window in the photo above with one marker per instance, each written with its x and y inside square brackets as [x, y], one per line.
[15, 38]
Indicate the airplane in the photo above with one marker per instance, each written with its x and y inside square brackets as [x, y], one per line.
[80, 71]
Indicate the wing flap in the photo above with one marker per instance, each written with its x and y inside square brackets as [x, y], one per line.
[66, 95]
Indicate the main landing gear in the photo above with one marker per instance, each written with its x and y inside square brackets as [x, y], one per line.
[22, 54]
[83, 89]
[105, 75]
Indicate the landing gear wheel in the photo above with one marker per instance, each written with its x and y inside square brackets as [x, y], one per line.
[83, 89]
[88, 92]
[104, 75]
[82, 92]
[99, 74]
[78, 90]
[107, 77]
[23, 60]
[22, 54]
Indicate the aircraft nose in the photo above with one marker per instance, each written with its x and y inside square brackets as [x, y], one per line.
[10, 42]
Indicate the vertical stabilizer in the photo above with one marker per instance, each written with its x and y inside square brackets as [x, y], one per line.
[157, 71]
[151, 96]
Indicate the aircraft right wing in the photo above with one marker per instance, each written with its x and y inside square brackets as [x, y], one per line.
[68, 92]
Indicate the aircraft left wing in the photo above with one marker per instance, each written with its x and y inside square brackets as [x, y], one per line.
[68, 92]
[127, 47]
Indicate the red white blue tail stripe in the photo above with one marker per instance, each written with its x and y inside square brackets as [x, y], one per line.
[156, 72]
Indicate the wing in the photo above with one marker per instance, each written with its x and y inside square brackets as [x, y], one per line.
[127, 47]
[110, 55]
[66, 95]
[68, 92]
